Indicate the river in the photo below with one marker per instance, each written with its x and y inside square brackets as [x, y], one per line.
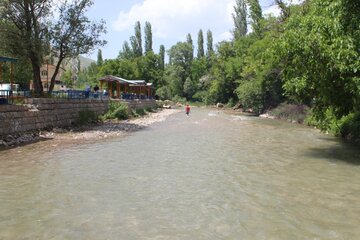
[208, 176]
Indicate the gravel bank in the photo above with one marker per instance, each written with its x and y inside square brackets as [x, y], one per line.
[98, 131]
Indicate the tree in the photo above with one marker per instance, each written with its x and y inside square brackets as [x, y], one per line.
[24, 24]
[148, 37]
[189, 88]
[255, 16]
[190, 42]
[136, 41]
[320, 51]
[126, 52]
[239, 18]
[162, 57]
[209, 43]
[285, 11]
[100, 60]
[200, 52]
[209, 49]
[73, 33]
[180, 55]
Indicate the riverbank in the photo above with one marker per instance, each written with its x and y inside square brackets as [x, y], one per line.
[101, 130]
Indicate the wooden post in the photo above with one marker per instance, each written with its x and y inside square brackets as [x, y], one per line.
[0, 71]
[111, 90]
[118, 89]
[12, 76]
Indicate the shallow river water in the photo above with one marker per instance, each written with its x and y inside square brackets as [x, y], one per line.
[208, 176]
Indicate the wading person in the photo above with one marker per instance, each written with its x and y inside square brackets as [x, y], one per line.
[187, 109]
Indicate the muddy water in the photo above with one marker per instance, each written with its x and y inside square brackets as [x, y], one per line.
[208, 176]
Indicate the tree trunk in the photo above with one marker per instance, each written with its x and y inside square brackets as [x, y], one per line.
[37, 78]
[53, 78]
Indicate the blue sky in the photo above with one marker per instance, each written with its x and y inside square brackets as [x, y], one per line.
[171, 20]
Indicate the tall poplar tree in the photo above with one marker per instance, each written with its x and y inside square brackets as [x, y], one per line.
[256, 16]
[190, 42]
[209, 43]
[136, 41]
[239, 17]
[162, 57]
[100, 60]
[148, 37]
[200, 49]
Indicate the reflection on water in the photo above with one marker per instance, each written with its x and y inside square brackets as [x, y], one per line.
[208, 176]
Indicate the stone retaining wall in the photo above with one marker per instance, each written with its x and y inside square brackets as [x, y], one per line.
[40, 113]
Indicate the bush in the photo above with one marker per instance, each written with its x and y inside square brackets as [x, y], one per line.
[349, 127]
[139, 112]
[117, 110]
[293, 112]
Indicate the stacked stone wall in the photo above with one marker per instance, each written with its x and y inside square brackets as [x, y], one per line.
[42, 113]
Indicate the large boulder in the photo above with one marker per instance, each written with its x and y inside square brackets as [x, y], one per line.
[219, 105]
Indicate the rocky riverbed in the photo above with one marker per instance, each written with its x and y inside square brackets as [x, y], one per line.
[101, 130]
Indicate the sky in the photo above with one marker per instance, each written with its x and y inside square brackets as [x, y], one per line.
[171, 20]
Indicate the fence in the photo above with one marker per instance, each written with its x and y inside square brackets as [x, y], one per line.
[8, 97]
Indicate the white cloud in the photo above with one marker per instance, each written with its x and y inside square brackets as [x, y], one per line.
[176, 18]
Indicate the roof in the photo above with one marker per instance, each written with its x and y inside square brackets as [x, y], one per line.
[7, 59]
[111, 78]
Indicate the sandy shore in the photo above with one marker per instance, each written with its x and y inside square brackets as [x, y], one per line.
[111, 128]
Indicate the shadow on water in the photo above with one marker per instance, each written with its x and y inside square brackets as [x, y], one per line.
[104, 128]
[342, 153]
[37, 140]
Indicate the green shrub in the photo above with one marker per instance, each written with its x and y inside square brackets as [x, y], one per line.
[347, 127]
[117, 110]
[140, 112]
[149, 109]
[350, 127]
[293, 112]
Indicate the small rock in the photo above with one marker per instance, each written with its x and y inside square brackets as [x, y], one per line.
[219, 105]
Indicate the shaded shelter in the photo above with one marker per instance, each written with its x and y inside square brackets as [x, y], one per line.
[121, 85]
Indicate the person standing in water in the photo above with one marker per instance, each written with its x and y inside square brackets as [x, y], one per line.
[187, 109]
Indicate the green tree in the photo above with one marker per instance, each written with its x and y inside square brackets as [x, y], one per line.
[209, 44]
[137, 45]
[200, 50]
[73, 33]
[321, 57]
[162, 57]
[126, 52]
[180, 55]
[239, 18]
[190, 42]
[255, 16]
[189, 88]
[24, 25]
[148, 37]
[100, 60]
